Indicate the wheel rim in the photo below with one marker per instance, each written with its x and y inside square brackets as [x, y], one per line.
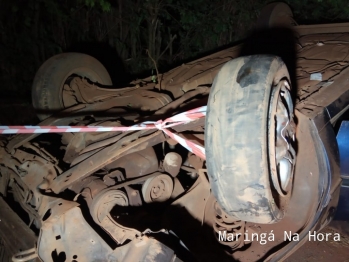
[282, 138]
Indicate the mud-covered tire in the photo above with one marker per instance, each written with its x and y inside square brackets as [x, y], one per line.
[236, 137]
[47, 89]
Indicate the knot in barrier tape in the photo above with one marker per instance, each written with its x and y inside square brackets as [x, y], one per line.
[159, 125]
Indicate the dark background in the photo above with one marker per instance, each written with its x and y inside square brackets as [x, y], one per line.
[119, 32]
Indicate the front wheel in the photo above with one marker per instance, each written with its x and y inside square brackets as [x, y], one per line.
[249, 138]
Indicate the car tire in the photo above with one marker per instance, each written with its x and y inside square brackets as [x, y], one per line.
[242, 138]
[275, 15]
[47, 89]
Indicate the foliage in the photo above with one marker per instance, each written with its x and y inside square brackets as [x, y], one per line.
[104, 4]
[320, 10]
[144, 34]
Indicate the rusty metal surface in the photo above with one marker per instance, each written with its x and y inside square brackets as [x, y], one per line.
[322, 29]
[172, 163]
[158, 188]
[325, 56]
[225, 224]
[13, 231]
[104, 157]
[136, 164]
[60, 239]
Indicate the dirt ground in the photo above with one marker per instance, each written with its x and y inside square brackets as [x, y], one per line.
[323, 251]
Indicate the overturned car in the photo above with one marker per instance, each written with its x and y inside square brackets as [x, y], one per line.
[268, 176]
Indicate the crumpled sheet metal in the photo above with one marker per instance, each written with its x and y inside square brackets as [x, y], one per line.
[318, 38]
[327, 54]
[66, 236]
[199, 72]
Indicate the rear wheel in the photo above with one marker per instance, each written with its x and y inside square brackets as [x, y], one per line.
[275, 15]
[249, 138]
[48, 95]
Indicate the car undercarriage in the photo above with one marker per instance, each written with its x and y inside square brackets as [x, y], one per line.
[140, 195]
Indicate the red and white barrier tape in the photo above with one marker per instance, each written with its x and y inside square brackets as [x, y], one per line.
[179, 119]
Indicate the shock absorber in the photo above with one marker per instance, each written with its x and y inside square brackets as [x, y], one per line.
[229, 230]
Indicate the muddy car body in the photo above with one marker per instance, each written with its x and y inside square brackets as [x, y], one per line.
[95, 196]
